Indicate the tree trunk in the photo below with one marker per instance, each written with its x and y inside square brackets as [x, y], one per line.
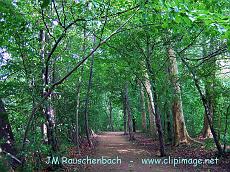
[226, 127]
[134, 124]
[77, 111]
[206, 108]
[130, 125]
[87, 101]
[151, 108]
[143, 113]
[48, 110]
[167, 122]
[124, 113]
[180, 131]
[209, 84]
[110, 116]
[206, 131]
[155, 97]
[157, 113]
[6, 137]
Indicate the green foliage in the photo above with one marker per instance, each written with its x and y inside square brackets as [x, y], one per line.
[45, 3]
[3, 164]
[189, 27]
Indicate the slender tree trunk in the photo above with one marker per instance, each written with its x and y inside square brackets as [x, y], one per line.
[143, 113]
[167, 121]
[6, 137]
[154, 97]
[87, 102]
[47, 109]
[180, 131]
[77, 141]
[206, 131]
[77, 123]
[226, 127]
[157, 113]
[151, 107]
[206, 107]
[45, 126]
[168, 127]
[130, 125]
[124, 113]
[134, 124]
[110, 116]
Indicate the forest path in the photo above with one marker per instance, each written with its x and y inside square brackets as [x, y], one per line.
[115, 144]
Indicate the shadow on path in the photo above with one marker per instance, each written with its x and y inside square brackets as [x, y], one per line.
[115, 144]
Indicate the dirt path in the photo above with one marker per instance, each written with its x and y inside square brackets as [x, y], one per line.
[115, 144]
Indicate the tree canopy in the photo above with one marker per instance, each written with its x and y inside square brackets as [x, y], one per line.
[70, 68]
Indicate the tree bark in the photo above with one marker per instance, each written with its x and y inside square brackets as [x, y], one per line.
[110, 116]
[167, 122]
[151, 107]
[180, 131]
[77, 141]
[124, 112]
[206, 131]
[7, 137]
[48, 110]
[130, 124]
[143, 113]
[86, 116]
[157, 113]
[206, 108]
[155, 97]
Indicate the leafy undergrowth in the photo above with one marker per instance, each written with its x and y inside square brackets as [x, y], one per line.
[192, 151]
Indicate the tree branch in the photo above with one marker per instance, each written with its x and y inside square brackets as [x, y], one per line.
[191, 42]
[59, 19]
[35, 108]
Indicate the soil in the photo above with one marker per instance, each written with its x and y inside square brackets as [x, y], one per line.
[116, 144]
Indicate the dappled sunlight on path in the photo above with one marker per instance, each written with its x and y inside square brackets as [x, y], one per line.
[115, 144]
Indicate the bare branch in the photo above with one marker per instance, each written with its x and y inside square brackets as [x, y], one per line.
[59, 19]
[43, 19]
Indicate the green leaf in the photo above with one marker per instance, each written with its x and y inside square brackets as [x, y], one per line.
[45, 3]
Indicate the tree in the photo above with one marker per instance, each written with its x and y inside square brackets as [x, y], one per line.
[7, 138]
[180, 131]
[129, 113]
[151, 108]
[142, 104]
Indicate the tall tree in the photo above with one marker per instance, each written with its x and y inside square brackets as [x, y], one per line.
[151, 108]
[206, 107]
[129, 113]
[86, 111]
[78, 92]
[180, 131]
[111, 116]
[157, 111]
[123, 95]
[209, 89]
[143, 112]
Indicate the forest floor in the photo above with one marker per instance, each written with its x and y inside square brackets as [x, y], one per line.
[116, 144]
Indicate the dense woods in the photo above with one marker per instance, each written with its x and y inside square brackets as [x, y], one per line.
[72, 68]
